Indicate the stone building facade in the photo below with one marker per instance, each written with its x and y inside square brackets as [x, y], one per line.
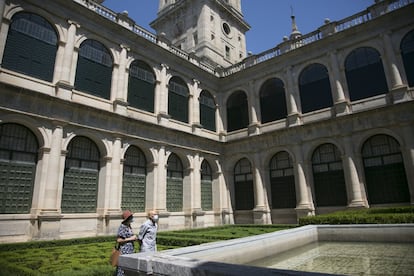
[98, 115]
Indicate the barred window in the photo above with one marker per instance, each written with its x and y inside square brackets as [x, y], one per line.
[243, 185]
[141, 71]
[272, 100]
[174, 184]
[206, 186]
[385, 174]
[31, 46]
[80, 183]
[315, 88]
[18, 158]
[141, 86]
[207, 111]
[365, 74]
[34, 26]
[134, 180]
[282, 181]
[178, 99]
[328, 176]
[95, 51]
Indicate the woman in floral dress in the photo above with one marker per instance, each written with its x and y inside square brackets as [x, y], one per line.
[126, 237]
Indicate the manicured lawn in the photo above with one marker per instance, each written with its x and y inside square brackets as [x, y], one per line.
[90, 256]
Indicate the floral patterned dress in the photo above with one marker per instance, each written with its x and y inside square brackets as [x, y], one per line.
[125, 231]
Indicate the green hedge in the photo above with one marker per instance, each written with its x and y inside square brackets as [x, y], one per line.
[391, 215]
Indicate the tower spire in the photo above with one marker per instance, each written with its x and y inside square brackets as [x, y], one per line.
[295, 31]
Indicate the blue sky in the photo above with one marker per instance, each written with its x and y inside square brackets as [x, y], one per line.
[269, 19]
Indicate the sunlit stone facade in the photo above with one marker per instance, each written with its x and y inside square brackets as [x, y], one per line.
[98, 115]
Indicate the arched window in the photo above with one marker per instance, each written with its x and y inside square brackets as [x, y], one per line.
[141, 86]
[94, 69]
[175, 175]
[407, 53]
[328, 176]
[243, 185]
[134, 178]
[315, 88]
[385, 175]
[207, 111]
[178, 99]
[365, 74]
[237, 111]
[282, 181]
[31, 46]
[206, 186]
[272, 100]
[18, 158]
[80, 182]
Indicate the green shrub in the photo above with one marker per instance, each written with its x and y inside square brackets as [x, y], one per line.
[389, 215]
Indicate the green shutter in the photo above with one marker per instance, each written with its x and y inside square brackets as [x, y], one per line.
[206, 195]
[16, 187]
[133, 192]
[80, 188]
[174, 194]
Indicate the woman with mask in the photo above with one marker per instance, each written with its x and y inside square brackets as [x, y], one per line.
[125, 237]
[148, 233]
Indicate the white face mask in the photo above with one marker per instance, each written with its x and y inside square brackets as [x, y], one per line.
[155, 218]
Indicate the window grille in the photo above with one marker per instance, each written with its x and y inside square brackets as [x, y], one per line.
[174, 184]
[28, 27]
[207, 111]
[385, 175]
[315, 88]
[142, 74]
[243, 185]
[18, 158]
[282, 181]
[80, 183]
[206, 187]
[272, 101]
[328, 176]
[365, 74]
[134, 180]
[96, 52]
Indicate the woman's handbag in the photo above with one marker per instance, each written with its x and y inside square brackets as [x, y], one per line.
[115, 255]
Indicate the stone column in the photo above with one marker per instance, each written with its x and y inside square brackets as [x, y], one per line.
[398, 89]
[51, 193]
[194, 106]
[261, 212]
[253, 105]
[341, 104]
[114, 188]
[120, 83]
[304, 206]
[196, 211]
[54, 175]
[4, 28]
[408, 157]
[292, 98]
[63, 66]
[391, 62]
[160, 187]
[221, 115]
[353, 185]
[161, 104]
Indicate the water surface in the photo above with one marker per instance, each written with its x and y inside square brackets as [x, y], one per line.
[350, 258]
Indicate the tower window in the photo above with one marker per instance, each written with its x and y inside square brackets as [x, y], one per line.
[228, 52]
[226, 28]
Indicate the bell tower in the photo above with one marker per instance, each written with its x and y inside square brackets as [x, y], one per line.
[214, 30]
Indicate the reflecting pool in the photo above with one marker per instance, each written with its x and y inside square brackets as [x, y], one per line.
[349, 258]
